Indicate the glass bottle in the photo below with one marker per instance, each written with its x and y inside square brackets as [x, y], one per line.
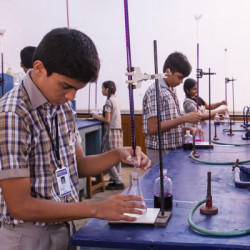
[168, 192]
[217, 119]
[188, 141]
[134, 189]
[198, 133]
[226, 119]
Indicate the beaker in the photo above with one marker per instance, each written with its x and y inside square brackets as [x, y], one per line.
[134, 189]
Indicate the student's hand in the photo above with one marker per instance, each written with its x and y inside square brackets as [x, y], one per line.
[116, 205]
[193, 117]
[224, 102]
[126, 156]
[95, 116]
[222, 111]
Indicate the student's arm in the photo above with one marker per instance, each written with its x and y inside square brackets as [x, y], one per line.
[95, 164]
[152, 124]
[23, 206]
[102, 119]
[215, 105]
[213, 113]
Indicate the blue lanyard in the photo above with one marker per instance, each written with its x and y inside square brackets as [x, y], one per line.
[54, 146]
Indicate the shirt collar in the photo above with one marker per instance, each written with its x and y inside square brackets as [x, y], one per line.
[36, 97]
[164, 85]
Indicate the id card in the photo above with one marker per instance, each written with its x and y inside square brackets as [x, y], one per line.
[62, 177]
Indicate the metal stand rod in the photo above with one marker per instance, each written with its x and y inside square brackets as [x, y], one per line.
[159, 127]
[208, 183]
[210, 141]
[233, 101]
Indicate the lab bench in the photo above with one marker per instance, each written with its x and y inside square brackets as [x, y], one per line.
[189, 186]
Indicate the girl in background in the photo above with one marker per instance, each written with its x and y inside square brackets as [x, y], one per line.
[113, 135]
[190, 102]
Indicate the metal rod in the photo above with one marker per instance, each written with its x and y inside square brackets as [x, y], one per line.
[210, 142]
[197, 74]
[226, 89]
[130, 86]
[159, 126]
[215, 130]
[208, 183]
[233, 100]
[67, 4]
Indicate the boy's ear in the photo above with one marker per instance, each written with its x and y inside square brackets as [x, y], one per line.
[168, 71]
[39, 68]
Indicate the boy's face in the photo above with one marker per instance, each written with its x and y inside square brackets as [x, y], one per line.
[57, 89]
[175, 79]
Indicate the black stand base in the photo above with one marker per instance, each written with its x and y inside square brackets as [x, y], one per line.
[203, 145]
[162, 221]
[245, 138]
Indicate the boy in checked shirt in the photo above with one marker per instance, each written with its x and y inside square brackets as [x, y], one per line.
[171, 119]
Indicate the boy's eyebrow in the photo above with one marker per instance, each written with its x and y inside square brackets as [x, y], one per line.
[70, 85]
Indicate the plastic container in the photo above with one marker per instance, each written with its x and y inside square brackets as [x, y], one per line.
[188, 141]
[217, 119]
[198, 133]
[168, 192]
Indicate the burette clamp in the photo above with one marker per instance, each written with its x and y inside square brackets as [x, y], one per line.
[138, 77]
[200, 73]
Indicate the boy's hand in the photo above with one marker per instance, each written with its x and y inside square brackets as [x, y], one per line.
[224, 102]
[193, 117]
[117, 205]
[126, 154]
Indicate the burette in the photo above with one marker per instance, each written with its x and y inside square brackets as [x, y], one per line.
[130, 85]
[198, 18]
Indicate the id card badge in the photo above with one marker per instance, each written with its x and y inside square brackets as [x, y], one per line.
[71, 145]
[62, 177]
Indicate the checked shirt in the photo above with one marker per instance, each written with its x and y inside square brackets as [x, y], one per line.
[26, 149]
[169, 110]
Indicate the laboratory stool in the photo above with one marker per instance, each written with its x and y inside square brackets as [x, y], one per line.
[93, 185]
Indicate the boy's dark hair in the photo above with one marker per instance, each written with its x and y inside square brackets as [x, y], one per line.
[177, 62]
[111, 86]
[26, 55]
[70, 53]
[188, 85]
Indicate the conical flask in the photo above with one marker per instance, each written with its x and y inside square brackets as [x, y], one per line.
[134, 189]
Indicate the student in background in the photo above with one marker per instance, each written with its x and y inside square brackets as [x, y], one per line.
[26, 55]
[190, 102]
[113, 136]
[171, 119]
